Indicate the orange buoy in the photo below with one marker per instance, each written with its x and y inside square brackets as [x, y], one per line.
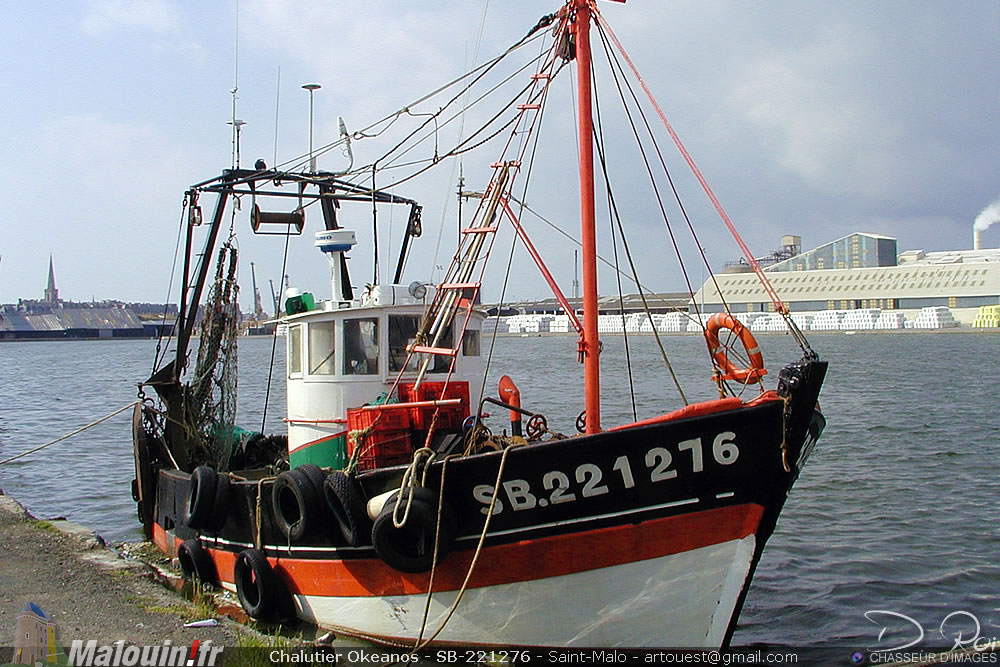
[718, 351]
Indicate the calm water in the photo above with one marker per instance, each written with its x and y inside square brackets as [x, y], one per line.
[897, 509]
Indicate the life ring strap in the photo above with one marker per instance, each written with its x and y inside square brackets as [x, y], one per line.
[750, 375]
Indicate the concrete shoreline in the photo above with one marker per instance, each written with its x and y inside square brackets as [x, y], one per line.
[91, 591]
[128, 592]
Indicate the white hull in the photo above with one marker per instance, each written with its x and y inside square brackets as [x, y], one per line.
[684, 599]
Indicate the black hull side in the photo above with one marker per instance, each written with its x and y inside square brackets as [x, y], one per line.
[767, 436]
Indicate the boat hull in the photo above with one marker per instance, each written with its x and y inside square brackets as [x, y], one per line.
[619, 605]
[646, 535]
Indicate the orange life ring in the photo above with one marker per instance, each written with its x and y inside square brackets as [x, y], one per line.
[718, 351]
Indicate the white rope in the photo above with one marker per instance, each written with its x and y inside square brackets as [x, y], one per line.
[409, 481]
[71, 433]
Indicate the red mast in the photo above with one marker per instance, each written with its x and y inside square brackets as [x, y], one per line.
[590, 344]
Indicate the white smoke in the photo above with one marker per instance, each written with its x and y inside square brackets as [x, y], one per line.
[987, 217]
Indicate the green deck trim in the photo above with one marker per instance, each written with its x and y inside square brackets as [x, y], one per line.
[329, 452]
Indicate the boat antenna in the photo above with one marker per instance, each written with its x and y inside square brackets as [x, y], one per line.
[236, 122]
[576, 274]
[277, 99]
[312, 88]
[348, 151]
[461, 186]
[237, 128]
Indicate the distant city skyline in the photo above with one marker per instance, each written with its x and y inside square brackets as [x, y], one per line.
[50, 294]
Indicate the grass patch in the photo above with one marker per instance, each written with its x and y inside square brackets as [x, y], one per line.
[42, 524]
[257, 637]
[146, 552]
[188, 610]
[202, 600]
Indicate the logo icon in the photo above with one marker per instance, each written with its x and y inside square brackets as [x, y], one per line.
[35, 638]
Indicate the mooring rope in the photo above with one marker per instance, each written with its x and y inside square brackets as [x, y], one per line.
[71, 433]
[475, 556]
[409, 482]
[434, 556]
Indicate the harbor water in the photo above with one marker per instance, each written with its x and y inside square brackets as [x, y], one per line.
[896, 511]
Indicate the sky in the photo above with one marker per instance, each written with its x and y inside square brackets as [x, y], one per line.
[810, 118]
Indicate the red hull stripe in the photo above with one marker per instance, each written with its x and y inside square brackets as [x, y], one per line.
[526, 560]
[325, 438]
[161, 540]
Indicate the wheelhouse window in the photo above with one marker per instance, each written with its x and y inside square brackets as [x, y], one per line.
[295, 350]
[361, 346]
[402, 332]
[321, 348]
[470, 343]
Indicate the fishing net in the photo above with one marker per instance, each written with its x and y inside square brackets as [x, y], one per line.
[211, 396]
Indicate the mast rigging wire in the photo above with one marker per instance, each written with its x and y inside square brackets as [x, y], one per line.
[390, 119]
[157, 356]
[274, 334]
[599, 141]
[616, 217]
[457, 164]
[779, 305]
[657, 196]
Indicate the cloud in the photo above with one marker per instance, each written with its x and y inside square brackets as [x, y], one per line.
[91, 139]
[118, 208]
[103, 16]
[808, 106]
[377, 55]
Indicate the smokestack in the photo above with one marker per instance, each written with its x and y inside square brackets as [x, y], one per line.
[986, 217]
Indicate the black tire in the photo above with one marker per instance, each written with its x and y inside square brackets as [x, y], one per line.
[200, 497]
[220, 507]
[197, 563]
[144, 488]
[315, 475]
[410, 548]
[297, 504]
[262, 595]
[347, 506]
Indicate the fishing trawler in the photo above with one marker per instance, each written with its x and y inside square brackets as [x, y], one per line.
[390, 510]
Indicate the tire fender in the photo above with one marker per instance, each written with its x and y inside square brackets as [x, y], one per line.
[410, 548]
[262, 594]
[197, 563]
[347, 506]
[298, 504]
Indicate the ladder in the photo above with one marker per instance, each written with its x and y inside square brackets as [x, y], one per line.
[463, 279]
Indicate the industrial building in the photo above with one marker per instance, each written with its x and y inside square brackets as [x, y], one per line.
[858, 282]
[863, 272]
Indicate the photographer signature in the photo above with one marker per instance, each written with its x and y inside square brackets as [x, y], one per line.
[961, 628]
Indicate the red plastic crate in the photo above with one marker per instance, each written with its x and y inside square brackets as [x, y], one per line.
[388, 442]
[384, 448]
[450, 417]
[389, 419]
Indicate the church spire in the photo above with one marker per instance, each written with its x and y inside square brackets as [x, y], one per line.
[51, 293]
